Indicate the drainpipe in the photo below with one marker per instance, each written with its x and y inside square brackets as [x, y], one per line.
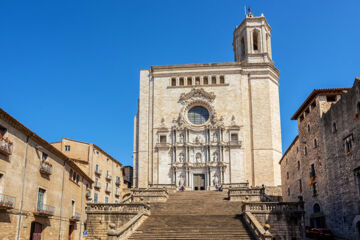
[23, 186]
[61, 200]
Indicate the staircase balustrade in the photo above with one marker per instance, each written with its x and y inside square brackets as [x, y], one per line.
[255, 227]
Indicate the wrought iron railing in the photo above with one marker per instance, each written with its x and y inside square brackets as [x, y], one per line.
[45, 167]
[45, 209]
[5, 146]
[7, 202]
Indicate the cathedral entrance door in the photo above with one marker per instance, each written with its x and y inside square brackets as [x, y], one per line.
[199, 181]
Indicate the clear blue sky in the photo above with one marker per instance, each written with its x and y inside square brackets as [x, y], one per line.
[71, 68]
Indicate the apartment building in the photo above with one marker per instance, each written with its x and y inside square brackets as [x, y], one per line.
[104, 170]
[42, 192]
[322, 165]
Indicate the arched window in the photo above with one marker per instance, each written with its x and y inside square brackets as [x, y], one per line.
[316, 208]
[74, 176]
[198, 115]
[334, 127]
[173, 82]
[305, 151]
[189, 81]
[315, 143]
[181, 82]
[308, 128]
[242, 46]
[298, 165]
[358, 107]
[206, 81]
[197, 81]
[255, 40]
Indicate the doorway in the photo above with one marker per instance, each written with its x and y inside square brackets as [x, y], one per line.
[36, 229]
[199, 181]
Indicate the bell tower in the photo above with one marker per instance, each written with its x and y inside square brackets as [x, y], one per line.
[252, 40]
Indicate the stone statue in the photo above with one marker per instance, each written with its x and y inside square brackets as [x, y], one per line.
[215, 137]
[198, 157]
[181, 180]
[181, 137]
[197, 139]
[215, 157]
[181, 157]
[113, 234]
[216, 179]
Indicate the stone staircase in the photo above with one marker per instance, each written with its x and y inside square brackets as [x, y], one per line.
[194, 215]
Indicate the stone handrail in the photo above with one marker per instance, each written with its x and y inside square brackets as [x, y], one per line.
[257, 229]
[128, 199]
[272, 207]
[116, 207]
[126, 230]
[162, 185]
[236, 185]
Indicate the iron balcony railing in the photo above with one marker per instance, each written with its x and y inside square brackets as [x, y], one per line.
[45, 167]
[98, 171]
[97, 185]
[118, 182]
[117, 193]
[108, 177]
[108, 190]
[5, 146]
[75, 217]
[88, 194]
[7, 202]
[46, 210]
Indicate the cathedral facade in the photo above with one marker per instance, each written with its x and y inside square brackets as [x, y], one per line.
[199, 125]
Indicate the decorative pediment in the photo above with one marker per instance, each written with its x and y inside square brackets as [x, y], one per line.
[197, 93]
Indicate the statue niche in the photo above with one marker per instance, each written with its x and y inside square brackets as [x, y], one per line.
[181, 157]
[215, 157]
[198, 158]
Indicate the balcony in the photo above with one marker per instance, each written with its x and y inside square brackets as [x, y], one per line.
[118, 182]
[7, 202]
[45, 210]
[97, 185]
[98, 172]
[117, 194]
[5, 146]
[88, 195]
[45, 167]
[108, 177]
[75, 217]
[235, 143]
[108, 190]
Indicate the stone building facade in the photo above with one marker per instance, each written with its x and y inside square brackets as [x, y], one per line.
[329, 160]
[42, 192]
[104, 170]
[202, 124]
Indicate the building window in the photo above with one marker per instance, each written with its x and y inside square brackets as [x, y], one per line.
[301, 117]
[358, 108]
[315, 143]
[106, 200]
[198, 115]
[297, 149]
[189, 81]
[300, 186]
[331, 98]
[305, 151]
[181, 82]
[242, 46]
[222, 79]
[213, 80]
[357, 176]
[288, 192]
[206, 81]
[197, 81]
[67, 148]
[97, 168]
[334, 127]
[72, 208]
[314, 189]
[312, 172]
[234, 137]
[255, 41]
[313, 104]
[162, 138]
[173, 82]
[348, 142]
[287, 175]
[95, 197]
[3, 131]
[298, 165]
[44, 156]
[287, 161]
[308, 128]
[41, 199]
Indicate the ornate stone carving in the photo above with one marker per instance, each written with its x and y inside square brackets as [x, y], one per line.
[197, 92]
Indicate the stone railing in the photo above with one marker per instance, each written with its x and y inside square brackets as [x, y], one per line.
[245, 194]
[169, 187]
[127, 208]
[103, 219]
[235, 185]
[75, 217]
[7, 202]
[149, 194]
[255, 227]
[127, 229]
[272, 207]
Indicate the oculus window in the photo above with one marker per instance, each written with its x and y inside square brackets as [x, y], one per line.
[198, 115]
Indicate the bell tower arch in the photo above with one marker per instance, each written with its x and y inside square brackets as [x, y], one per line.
[252, 40]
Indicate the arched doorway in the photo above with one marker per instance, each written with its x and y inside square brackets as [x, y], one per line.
[71, 231]
[36, 229]
[317, 219]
